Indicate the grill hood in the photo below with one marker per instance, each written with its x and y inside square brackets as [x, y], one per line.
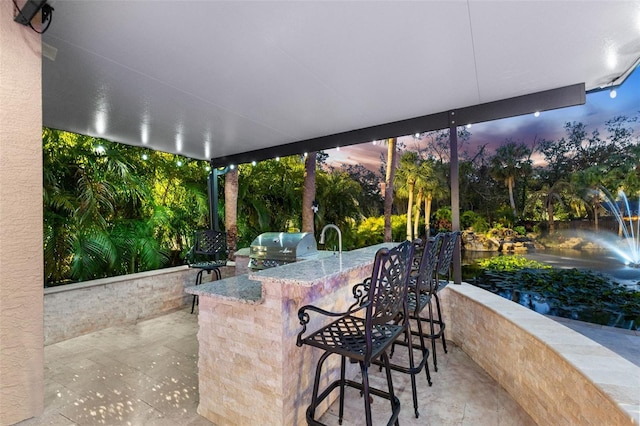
[279, 248]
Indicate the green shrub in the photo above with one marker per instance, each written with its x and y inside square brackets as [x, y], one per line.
[520, 230]
[510, 263]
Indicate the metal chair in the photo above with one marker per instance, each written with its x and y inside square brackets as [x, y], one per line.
[209, 253]
[418, 298]
[364, 334]
[441, 278]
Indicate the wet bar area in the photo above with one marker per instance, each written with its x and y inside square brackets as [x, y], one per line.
[250, 369]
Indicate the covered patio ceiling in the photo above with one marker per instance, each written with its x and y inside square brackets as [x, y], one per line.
[235, 81]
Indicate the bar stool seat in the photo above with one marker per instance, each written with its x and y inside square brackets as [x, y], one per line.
[363, 334]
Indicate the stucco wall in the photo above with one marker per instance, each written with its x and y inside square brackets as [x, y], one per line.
[21, 270]
[557, 375]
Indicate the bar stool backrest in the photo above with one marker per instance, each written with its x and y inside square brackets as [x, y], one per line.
[209, 245]
[389, 279]
[425, 277]
[446, 254]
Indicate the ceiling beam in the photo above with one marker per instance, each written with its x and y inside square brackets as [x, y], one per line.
[527, 104]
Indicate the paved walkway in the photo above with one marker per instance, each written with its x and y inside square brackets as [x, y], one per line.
[146, 374]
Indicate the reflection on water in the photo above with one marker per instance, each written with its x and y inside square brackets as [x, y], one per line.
[596, 261]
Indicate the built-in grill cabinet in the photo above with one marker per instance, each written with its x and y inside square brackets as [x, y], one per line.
[279, 248]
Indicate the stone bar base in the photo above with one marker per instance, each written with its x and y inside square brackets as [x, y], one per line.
[250, 369]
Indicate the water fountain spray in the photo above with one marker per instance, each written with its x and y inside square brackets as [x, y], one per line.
[621, 209]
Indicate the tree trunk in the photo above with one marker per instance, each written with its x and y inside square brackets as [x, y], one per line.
[410, 211]
[510, 183]
[309, 193]
[416, 219]
[388, 188]
[231, 211]
[550, 214]
[427, 214]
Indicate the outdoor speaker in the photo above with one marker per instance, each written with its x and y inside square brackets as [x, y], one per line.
[28, 11]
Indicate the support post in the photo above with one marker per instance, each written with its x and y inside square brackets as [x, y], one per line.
[455, 194]
[212, 190]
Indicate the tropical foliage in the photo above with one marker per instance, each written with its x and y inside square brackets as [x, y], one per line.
[112, 209]
[115, 209]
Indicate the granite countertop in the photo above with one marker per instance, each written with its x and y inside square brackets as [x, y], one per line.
[239, 288]
[318, 268]
[315, 269]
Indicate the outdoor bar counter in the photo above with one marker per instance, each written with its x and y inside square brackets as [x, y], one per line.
[250, 370]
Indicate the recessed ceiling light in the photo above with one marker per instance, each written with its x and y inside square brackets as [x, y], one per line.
[613, 93]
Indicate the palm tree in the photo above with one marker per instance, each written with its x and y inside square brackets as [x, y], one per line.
[507, 164]
[231, 210]
[109, 211]
[405, 183]
[388, 187]
[587, 183]
[430, 184]
[549, 196]
[309, 192]
[338, 194]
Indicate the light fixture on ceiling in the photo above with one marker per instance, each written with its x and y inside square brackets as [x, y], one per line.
[179, 163]
[29, 11]
[536, 114]
[613, 93]
[145, 157]
[253, 163]
[277, 158]
[232, 166]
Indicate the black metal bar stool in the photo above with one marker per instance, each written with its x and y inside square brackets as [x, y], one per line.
[364, 334]
[441, 278]
[418, 298]
[209, 253]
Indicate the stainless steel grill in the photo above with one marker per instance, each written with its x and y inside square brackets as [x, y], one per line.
[279, 248]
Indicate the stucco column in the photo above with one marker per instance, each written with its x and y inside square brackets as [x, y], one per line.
[21, 257]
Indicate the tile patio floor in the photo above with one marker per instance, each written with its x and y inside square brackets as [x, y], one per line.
[146, 374]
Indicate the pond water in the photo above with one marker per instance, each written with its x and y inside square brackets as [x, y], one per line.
[597, 261]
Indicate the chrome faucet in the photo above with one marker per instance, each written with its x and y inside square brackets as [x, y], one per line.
[331, 225]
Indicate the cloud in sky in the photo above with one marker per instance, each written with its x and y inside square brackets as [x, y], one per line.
[599, 108]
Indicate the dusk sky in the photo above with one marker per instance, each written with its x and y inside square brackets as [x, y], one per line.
[599, 108]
